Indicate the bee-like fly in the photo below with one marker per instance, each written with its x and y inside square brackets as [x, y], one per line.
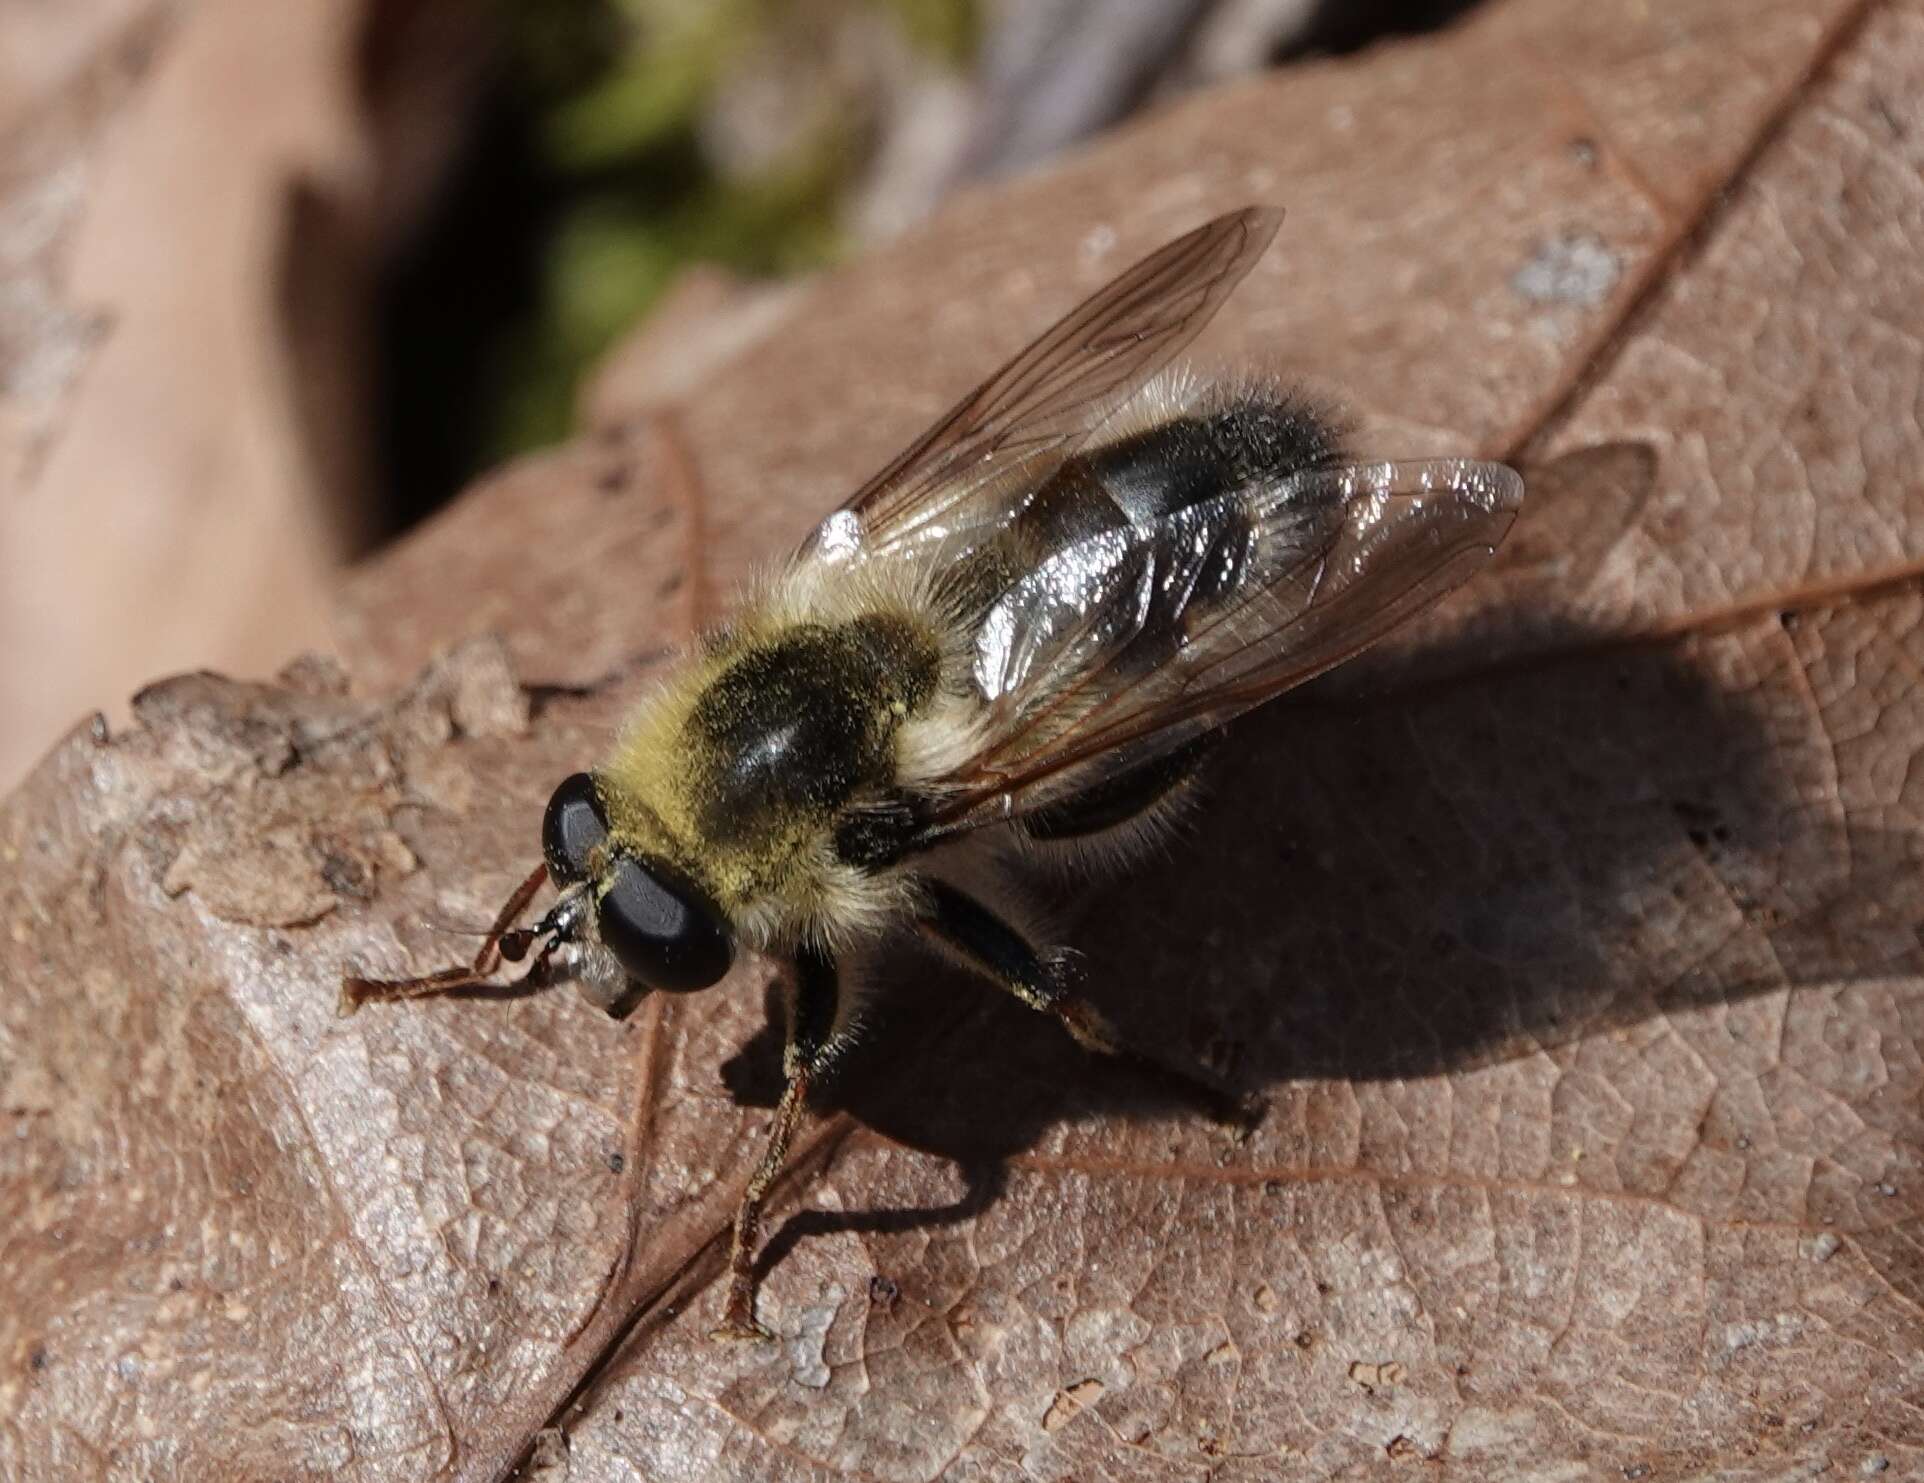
[1013, 644]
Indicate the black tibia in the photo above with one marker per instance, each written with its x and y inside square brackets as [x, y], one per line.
[1005, 957]
[813, 997]
[1127, 795]
[990, 945]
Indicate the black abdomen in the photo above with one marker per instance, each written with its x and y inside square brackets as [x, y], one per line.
[1133, 482]
[1139, 479]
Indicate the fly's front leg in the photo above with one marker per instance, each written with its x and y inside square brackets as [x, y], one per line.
[984, 942]
[813, 1043]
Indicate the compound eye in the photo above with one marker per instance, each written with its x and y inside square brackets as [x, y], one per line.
[662, 928]
[573, 827]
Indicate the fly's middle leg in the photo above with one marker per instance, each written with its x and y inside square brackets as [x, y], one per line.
[983, 942]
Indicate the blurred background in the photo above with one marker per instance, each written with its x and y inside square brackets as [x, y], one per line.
[277, 282]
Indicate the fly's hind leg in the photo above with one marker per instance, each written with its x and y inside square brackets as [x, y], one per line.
[1116, 803]
[985, 943]
[813, 1042]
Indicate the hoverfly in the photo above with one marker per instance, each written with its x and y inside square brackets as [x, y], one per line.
[1014, 643]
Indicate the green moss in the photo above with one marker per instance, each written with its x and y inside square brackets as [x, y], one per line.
[946, 30]
[587, 193]
[613, 253]
[651, 90]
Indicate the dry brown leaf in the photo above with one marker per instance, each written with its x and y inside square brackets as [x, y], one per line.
[1579, 958]
[192, 194]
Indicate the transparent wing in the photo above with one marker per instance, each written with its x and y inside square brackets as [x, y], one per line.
[967, 473]
[1124, 645]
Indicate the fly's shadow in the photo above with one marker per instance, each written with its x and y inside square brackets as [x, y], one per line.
[1379, 887]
